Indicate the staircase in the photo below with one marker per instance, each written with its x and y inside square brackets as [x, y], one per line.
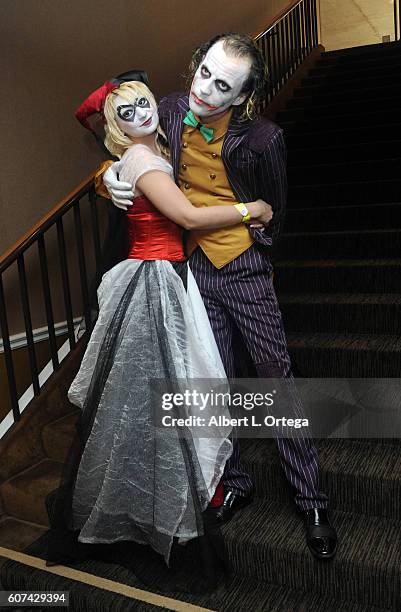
[32, 457]
[339, 286]
[343, 229]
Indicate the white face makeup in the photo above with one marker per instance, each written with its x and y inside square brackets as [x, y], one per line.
[218, 82]
[136, 119]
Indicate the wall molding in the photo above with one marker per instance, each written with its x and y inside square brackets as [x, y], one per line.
[40, 334]
[44, 375]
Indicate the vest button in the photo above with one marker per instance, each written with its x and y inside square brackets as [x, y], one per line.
[187, 185]
[212, 176]
[184, 166]
[185, 144]
[214, 155]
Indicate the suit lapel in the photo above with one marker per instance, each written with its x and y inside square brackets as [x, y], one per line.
[236, 133]
[175, 133]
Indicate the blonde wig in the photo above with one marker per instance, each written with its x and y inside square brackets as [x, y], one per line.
[116, 141]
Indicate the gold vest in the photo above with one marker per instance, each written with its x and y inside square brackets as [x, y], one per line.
[203, 180]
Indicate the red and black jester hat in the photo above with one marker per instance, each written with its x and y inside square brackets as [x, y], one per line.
[94, 103]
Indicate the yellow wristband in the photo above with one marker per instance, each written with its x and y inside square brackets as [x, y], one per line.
[242, 209]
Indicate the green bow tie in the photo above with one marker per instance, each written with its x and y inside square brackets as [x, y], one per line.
[206, 132]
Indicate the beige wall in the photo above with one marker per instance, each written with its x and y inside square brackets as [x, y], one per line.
[351, 23]
[54, 52]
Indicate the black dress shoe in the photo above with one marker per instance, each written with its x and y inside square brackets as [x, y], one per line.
[230, 505]
[321, 537]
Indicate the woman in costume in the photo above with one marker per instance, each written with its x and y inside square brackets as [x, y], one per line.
[133, 481]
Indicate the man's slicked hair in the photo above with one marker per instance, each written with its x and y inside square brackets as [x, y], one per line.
[238, 45]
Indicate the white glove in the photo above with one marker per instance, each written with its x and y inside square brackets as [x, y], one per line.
[120, 192]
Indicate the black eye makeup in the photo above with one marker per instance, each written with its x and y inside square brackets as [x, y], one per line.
[126, 112]
[205, 72]
[223, 86]
[142, 102]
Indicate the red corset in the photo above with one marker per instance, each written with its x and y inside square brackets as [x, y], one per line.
[151, 235]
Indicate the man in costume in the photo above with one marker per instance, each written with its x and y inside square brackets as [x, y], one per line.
[219, 151]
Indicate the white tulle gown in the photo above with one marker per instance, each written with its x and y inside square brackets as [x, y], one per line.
[137, 481]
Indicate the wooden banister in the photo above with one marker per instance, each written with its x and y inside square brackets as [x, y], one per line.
[278, 17]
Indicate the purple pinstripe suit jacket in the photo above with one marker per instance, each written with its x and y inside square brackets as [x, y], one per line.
[254, 156]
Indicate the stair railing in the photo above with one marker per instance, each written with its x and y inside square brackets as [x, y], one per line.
[36, 239]
[397, 19]
[288, 41]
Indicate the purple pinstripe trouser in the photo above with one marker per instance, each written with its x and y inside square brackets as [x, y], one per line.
[242, 294]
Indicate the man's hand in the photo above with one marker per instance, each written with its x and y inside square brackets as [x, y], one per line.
[120, 192]
[265, 216]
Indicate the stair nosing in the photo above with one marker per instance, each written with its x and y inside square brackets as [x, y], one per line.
[390, 449]
[26, 470]
[347, 163]
[342, 232]
[333, 298]
[372, 182]
[6, 517]
[320, 340]
[338, 262]
[346, 130]
[345, 206]
[388, 525]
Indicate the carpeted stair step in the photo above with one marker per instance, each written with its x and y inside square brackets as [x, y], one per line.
[362, 192]
[323, 355]
[360, 79]
[24, 495]
[57, 436]
[345, 244]
[17, 534]
[345, 313]
[351, 152]
[362, 94]
[362, 119]
[342, 172]
[362, 53]
[313, 103]
[310, 108]
[338, 275]
[335, 135]
[352, 483]
[238, 594]
[266, 541]
[22, 446]
[305, 106]
[354, 64]
[312, 124]
[323, 69]
[245, 595]
[83, 597]
[363, 77]
[348, 217]
[377, 65]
